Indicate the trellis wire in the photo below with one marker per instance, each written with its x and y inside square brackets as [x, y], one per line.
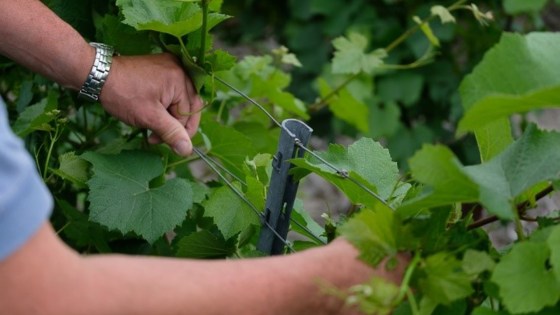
[239, 194]
[218, 168]
[342, 173]
[215, 165]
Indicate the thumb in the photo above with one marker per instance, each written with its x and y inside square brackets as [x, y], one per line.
[172, 132]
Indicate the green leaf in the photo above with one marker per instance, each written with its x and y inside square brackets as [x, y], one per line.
[554, 245]
[121, 197]
[496, 89]
[475, 262]
[166, 16]
[427, 30]
[350, 56]
[437, 167]
[345, 106]
[373, 232]
[444, 15]
[82, 232]
[384, 119]
[228, 144]
[529, 161]
[444, 280]
[231, 214]
[405, 87]
[496, 183]
[204, 244]
[220, 60]
[37, 116]
[125, 39]
[486, 311]
[73, 168]
[313, 231]
[493, 138]
[524, 281]
[522, 6]
[367, 162]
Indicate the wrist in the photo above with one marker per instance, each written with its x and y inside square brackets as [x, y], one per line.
[91, 89]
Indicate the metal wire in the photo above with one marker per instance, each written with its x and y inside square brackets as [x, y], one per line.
[214, 166]
[342, 173]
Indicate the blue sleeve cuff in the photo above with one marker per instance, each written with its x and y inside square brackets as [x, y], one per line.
[25, 201]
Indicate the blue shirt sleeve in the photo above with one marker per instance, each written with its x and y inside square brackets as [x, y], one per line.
[25, 201]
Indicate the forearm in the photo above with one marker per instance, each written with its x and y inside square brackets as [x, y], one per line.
[55, 280]
[33, 36]
[286, 285]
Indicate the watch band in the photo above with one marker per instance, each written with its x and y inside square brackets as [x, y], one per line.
[99, 72]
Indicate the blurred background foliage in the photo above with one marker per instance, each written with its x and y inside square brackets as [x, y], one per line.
[406, 108]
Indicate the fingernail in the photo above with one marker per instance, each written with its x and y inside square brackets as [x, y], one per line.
[183, 148]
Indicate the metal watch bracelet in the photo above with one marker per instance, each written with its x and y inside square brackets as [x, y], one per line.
[99, 72]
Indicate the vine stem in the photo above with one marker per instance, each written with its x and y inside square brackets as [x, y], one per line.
[394, 44]
[54, 139]
[519, 227]
[520, 208]
[202, 52]
[408, 276]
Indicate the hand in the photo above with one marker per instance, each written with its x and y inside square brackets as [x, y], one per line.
[351, 271]
[154, 92]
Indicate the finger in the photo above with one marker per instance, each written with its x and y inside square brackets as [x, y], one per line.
[172, 132]
[154, 139]
[196, 108]
[194, 120]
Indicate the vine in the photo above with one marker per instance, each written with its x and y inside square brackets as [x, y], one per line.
[90, 161]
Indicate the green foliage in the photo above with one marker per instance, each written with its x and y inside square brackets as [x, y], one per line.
[365, 161]
[495, 90]
[387, 74]
[230, 213]
[350, 56]
[122, 198]
[497, 184]
[374, 232]
[525, 267]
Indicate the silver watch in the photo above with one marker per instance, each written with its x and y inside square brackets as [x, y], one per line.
[99, 71]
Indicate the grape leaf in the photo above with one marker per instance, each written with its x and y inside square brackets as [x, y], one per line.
[475, 262]
[496, 183]
[221, 60]
[121, 197]
[166, 16]
[204, 244]
[445, 281]
[529, 161]
[524, 281]
[125, 39]
[496, 90]
[345, 106]
[402, 87]
[81, 231]
[72, 168]
[521, 6]
[384, 119]
[350, 56]
[554, 245]
[367, 162]
[301, 218]
[444, 15]
[231, 214]
[228, 144]
[437, 166]
[373, 232]
[37, 116]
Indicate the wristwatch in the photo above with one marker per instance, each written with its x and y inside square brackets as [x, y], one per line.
[99, 71]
